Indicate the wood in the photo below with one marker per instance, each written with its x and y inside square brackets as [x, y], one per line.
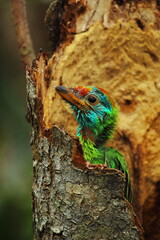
[24, 41]
[114, 45]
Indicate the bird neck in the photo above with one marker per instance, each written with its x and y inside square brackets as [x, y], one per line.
[94, 153]
[93, 137]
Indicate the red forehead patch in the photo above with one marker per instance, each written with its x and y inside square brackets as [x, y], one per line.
[83, 91]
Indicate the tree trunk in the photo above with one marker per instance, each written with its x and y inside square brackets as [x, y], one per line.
[74, 203]
[114, 45]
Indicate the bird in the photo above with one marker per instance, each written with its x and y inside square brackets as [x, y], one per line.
[96, 113]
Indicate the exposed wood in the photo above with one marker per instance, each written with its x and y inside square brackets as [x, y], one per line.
[22, 31]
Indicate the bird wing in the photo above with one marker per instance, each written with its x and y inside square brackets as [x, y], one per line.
[116, 160]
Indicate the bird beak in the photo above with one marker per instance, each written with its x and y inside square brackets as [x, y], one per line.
[71, 96]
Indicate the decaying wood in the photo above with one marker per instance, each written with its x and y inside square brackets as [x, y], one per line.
[22, 30]
[114, 45]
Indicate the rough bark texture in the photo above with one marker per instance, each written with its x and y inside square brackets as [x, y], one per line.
[70, 203]
[114, 45]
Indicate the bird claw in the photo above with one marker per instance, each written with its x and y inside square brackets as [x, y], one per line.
[96, 166]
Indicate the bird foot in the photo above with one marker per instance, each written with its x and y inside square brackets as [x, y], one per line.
[96, 166]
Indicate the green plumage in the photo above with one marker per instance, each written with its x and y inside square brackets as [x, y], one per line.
[116, 160]
[96, 113]
[110, 157]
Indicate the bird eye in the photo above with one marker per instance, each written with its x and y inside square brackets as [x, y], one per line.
[92, 99]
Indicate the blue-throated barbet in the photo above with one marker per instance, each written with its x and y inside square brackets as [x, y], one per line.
[96, 113]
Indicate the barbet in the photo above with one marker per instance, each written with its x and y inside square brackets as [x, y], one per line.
[96, 113]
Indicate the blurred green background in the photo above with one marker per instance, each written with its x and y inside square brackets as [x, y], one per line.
[15, 151]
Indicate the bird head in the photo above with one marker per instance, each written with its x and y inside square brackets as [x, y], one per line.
[94, 110]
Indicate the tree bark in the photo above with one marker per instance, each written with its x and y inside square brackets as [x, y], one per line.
[114, 45]
[74, 203]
